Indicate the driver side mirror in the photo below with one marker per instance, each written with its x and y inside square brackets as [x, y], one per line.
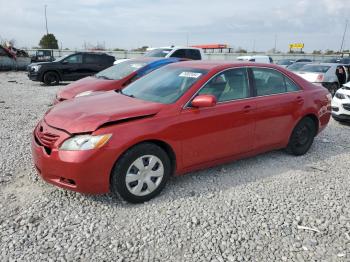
[64, 62]
[204, 101]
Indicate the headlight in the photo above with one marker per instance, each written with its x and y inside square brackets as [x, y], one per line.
[86, 93]
[36, 68]
[85, 142]
[340, 95]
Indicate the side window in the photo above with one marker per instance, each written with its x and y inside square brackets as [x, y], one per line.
[180, 53]
[290, 86]
[91, 59]
[229, 85]
[268, 82]
[193, 54]
[74, 59]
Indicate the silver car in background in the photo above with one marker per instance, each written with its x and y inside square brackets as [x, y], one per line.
[295, 67]
[330, 75]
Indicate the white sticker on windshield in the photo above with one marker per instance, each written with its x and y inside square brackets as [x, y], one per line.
[136, 66]
[190, 74]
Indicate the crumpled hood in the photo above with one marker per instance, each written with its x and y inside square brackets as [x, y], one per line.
[87, 84]
[86, 114]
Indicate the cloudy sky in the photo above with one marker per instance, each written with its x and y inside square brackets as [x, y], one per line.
[133, 23]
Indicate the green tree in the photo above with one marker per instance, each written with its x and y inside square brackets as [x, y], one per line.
[141, 49]
[329, 52]
[317, 52]
[49, 41]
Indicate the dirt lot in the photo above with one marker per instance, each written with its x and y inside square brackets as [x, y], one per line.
[273, 207]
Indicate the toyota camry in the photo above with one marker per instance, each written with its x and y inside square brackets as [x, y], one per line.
[180, 118]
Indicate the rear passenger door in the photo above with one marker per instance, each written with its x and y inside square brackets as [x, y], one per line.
[92, 64]
[278, 104]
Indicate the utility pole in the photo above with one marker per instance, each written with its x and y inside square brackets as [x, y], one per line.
[187, 39]
[47, 30]
[342, 42]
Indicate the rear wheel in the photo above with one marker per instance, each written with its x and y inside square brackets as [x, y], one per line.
[51, 78]
[302, 137]
[141, 173]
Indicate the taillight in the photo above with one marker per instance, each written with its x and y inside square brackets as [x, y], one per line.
[320, 78]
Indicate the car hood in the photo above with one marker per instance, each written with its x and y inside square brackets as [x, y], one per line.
[43, 63]
[86, 114]
[88, 84]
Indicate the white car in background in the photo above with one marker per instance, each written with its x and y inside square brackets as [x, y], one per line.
[341, 104]
[256, 58]
[331, 76]
[192, 53]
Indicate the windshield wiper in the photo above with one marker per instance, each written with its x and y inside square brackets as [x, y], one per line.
[121, 92]
[103, 77]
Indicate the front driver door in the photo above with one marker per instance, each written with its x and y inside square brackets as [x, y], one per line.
[72, 67]
[225, 130]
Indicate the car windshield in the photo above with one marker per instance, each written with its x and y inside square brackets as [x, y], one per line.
[315, 68]
[160, 52]
[296, 66]
[165, 85]
[121, 70]
[61, 58]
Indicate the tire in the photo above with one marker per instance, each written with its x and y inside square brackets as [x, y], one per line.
[51, 78]
[302, 137]
[145, 180]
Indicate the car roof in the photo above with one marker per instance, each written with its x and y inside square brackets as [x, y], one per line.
[172, 47]
[91, 53]
[150, 60]
[325, 64]
[209, 65]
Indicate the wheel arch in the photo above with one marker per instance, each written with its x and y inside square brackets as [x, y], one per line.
[51, 70]
[163, 145]
[314, 118]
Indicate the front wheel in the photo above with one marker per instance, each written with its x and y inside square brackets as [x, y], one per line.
[141, 173]
[302, 137]
[51, 78]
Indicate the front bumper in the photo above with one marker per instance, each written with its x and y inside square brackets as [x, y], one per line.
[81, 171]
[34, 76]
[340, 107]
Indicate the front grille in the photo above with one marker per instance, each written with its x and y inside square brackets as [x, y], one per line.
[45, 138]
[335, 109]
[346, 106]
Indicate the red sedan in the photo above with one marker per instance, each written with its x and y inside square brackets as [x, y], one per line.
[115, 77]
[182, 117]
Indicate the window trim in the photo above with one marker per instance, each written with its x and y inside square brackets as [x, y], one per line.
[250, 68]
[188, 103]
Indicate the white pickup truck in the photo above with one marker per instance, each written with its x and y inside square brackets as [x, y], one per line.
[192, 53]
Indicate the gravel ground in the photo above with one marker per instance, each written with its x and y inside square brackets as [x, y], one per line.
[273, 207]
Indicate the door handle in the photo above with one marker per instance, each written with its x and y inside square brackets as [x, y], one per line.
[300, 100]
[247, 109]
